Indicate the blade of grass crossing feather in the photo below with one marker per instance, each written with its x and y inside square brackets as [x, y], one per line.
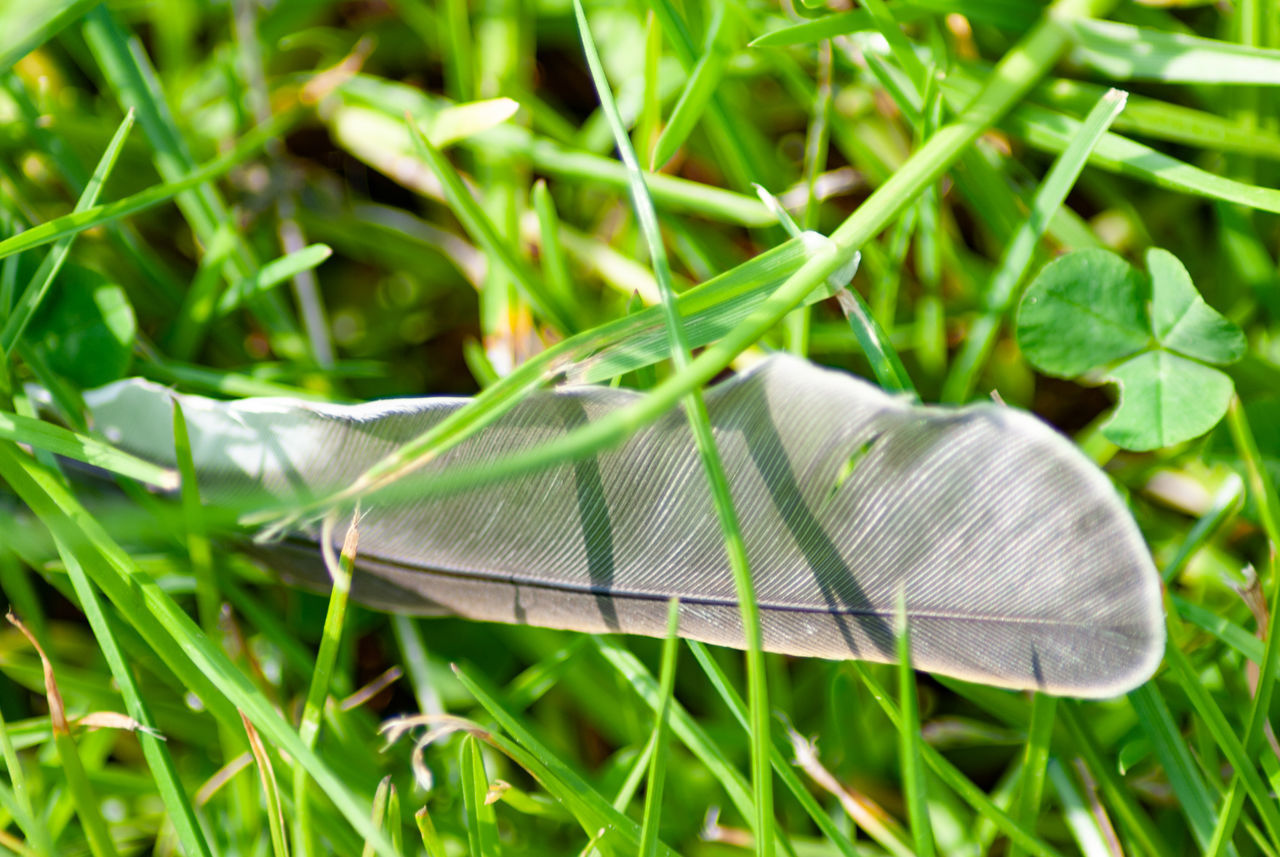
[1035, 757]
[84, 800]
[955, 780]
[1013, 76]
[698, 90]
[1019, 251]
[700, 745]
[483, 232]
[913, 780]
[31, 297]
[340, 572]
[1194, 798]
[695, 407]
[208, 602]
[178, 808]
[76, 222]
[167, 630]
[57, 440]
[658, 758]
[1227, 740]
[591, 810]
[198, 547]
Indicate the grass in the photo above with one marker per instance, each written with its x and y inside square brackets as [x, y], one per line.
[336, 201]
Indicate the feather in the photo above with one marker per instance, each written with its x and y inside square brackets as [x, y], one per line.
[1019, 564]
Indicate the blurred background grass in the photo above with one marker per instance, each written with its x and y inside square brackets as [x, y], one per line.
[299, 108]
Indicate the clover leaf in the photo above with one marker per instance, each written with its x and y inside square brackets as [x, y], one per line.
[1089, 309]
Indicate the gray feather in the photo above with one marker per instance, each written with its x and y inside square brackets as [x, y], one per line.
[1020, 565]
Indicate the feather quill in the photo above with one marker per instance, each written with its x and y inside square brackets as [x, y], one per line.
[1019, 564]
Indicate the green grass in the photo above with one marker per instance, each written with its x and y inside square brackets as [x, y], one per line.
[343, 201]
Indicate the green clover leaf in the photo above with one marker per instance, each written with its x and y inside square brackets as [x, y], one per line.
[1090, 309]
[1084, 309]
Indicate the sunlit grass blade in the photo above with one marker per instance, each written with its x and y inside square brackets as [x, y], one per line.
[699, 422]
[1153, 118]
[340, 571]
[32, 296]
[592, 811]
[27, 26]
[1137, 824]
[482, 826]
[957, 781]
[1079, 820]
[270, 790]
[909, 742]
[169, 632]
[1052, 131]
[1127, 52]
[74, 223]
[1194, 798]
[698, 90]
[1266, 502]
[178, 806]
[59, 441]
[1035, 758]
[83, 798]
[693, 736]
[271, 275]
[483, 231]
[1002, 291]
[658, 758]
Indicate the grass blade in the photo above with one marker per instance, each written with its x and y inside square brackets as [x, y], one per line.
[699, 422]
